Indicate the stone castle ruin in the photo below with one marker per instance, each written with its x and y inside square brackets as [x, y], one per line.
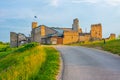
[54, 35]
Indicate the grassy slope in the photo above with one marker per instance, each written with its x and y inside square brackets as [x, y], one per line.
[50, 68]
[5, 50]
[29, 63]
[112, 46]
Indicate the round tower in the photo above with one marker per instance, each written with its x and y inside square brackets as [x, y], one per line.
[75, 25]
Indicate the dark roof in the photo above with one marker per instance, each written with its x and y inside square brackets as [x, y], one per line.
[59, 32]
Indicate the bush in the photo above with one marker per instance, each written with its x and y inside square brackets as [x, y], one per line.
[4, 49]
[26, 47]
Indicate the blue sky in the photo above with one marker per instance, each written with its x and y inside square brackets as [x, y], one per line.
[17, 15]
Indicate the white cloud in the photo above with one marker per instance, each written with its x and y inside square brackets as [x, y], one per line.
[113, 2]
[54, 3]
[85, 1]
[103, 2]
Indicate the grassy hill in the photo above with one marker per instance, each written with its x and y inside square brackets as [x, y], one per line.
[28, 62]
[111, 45]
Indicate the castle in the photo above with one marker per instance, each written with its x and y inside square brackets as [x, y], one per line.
[52, 35]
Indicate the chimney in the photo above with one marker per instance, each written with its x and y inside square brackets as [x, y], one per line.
[34, 25]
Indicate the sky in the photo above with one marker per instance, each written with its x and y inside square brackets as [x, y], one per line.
[17, 15]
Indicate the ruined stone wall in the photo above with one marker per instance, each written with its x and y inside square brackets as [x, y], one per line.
[84, 38]
[22, 39]
[112, 36]
[96, 31]
[13, 39]
[70, 37]
[17, 39]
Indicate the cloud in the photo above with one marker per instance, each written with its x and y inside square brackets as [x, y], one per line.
[113, 2]
[85, 1]
[54, 3]
[103, 2]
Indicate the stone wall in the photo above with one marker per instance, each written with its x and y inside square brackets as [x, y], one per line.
[17, 39]
[112, 36]
[70, 37]
[96, 31]
[84, 37]
[13, 39]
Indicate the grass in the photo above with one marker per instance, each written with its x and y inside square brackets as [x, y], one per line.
[49, 69]
[110, 45]
[5, 49]
[29, 62]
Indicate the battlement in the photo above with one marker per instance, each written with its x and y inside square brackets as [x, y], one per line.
[96, 25]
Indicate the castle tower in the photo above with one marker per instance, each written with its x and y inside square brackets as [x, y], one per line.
[75, 25]
[34, 25]
[96, 31]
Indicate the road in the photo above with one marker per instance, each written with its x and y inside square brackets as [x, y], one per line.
[81, 63]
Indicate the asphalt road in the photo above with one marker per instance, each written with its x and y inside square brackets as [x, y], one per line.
[81, 63]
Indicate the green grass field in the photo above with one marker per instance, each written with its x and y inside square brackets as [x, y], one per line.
[111, 45]
[28, 62]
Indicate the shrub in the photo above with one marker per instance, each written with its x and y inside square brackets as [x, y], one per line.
[26, 47]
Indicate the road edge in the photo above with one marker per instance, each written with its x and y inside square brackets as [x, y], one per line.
[61, 70]
[101, 50]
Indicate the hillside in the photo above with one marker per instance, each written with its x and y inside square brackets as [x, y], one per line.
[111, 45]
[28, 62]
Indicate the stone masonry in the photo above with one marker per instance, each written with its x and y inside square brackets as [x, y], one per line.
[55, 35]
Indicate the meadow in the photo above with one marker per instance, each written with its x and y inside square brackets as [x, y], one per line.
[28, 62]
[110, 45]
